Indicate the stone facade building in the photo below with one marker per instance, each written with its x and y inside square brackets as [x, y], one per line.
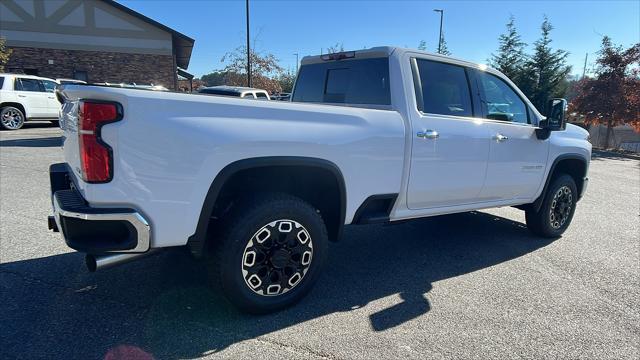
[93, 40]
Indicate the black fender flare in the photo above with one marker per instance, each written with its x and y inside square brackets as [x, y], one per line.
[196, 242]
[538, 202]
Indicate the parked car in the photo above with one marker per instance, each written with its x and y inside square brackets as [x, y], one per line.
[281, 97]
[134, 86]
[145, 86]
[236, 91]
[264, 186]
[70, 81]
[26, 97]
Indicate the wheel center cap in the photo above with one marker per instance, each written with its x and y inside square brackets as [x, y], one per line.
[280, 258]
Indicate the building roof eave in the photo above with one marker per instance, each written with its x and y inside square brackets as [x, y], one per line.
[182, 44]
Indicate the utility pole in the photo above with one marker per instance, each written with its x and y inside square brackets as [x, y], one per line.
[296, 54]
[248, 49]
[441, 11]
[584, 69]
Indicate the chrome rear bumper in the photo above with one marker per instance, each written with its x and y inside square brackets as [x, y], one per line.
[95, 230]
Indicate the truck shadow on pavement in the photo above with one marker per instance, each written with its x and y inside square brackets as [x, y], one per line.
[163, 306]
[52, 141]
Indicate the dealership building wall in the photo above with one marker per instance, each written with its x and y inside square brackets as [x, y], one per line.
[93, 40]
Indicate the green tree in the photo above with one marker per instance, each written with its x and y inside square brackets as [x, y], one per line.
[5, 53]
[286, 81]
[510, 58]
[422, 46]
[214, 78]
[443, 49]
[546, 71]
[612, 97]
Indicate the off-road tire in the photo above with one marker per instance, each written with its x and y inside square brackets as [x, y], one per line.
[553, 218]
[239, 236]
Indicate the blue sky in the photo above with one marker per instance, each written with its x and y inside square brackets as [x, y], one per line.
[471, 27]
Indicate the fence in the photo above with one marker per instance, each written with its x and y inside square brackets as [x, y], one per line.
[622, 138]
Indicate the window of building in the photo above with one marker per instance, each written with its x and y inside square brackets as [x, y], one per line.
[445, 89]
[81, 75]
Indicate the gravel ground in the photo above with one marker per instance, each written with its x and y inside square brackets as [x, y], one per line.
[475, 285]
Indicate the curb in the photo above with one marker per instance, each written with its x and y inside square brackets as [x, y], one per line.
[615, 154]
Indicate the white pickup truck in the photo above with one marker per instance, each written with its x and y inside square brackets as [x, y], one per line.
[371, 136]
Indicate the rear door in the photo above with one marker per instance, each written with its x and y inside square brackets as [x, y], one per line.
[31, 94]
[517, 158]
[450, 147]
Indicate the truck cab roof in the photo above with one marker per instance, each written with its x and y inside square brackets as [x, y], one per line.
[380, 51]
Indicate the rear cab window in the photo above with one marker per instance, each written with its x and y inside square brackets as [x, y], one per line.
[354, 82]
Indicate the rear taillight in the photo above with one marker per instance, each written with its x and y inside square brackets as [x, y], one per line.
[96, 158]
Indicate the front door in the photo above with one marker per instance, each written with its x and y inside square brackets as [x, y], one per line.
[53, 105]
[517, 158]
[450, 148]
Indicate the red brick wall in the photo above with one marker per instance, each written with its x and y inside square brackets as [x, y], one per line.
[100, 66]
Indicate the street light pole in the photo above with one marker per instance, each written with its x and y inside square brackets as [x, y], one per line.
[296, 54]
[248, 49]
[440, 38]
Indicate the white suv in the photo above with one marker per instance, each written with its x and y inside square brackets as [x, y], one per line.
[26, 97]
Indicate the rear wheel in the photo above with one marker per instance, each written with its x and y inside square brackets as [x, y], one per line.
[271, 253]
[557, 209]
[11, 118]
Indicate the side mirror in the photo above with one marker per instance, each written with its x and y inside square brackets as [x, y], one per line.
[555, 114]
[555, 121]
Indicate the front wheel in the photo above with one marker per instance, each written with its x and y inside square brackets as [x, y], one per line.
[557, 209]
[272, 252]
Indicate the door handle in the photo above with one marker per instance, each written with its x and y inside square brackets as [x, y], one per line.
[22, 95]
[500, 138]
[428, 134]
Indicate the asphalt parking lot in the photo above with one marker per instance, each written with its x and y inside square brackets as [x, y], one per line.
[475, 285]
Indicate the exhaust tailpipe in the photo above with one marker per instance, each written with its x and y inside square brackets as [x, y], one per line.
[100, 262]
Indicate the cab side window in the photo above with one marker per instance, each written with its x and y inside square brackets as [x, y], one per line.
[500, 101]
[445, 89]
